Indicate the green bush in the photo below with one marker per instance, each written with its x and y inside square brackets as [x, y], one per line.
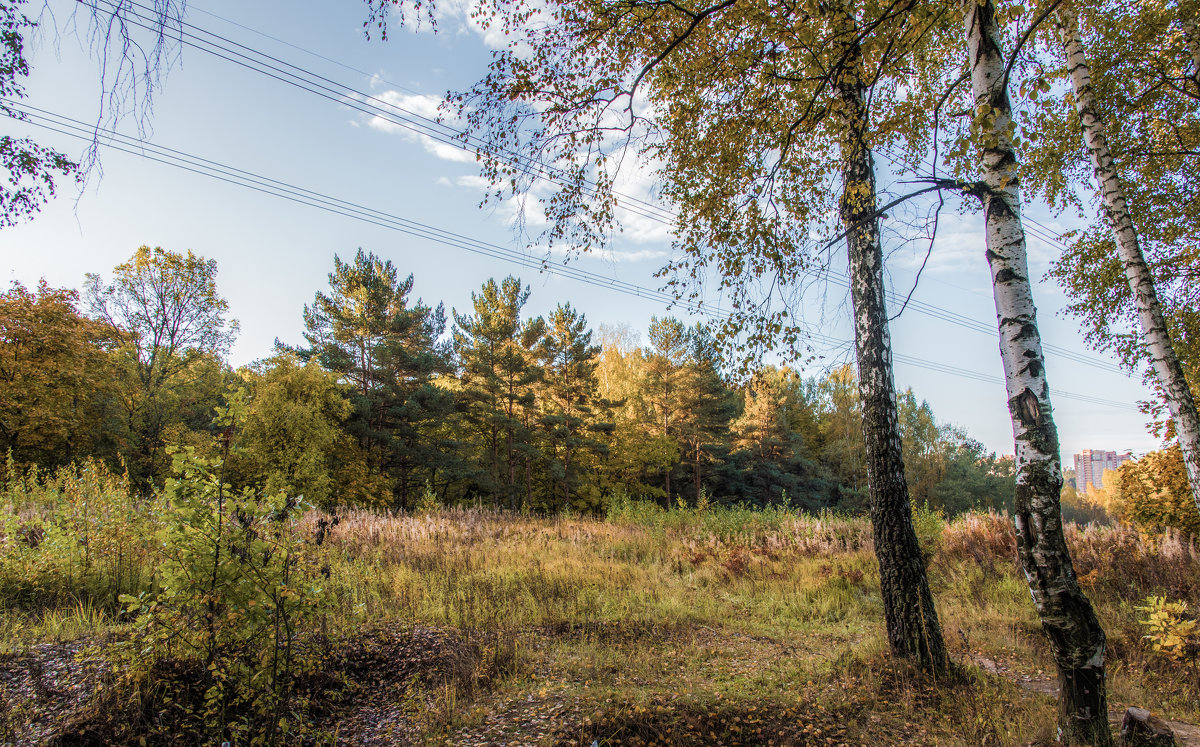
[239, 591]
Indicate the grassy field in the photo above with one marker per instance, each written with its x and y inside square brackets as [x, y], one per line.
[721, 626]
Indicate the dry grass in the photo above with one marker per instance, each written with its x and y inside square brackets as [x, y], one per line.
[720, 627]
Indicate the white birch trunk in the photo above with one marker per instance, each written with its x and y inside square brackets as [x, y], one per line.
[1141, 283]
[1077, 642]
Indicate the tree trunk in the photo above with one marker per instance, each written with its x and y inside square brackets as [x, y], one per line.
[1141, 283]
[567, 471]
[1076, 639]
[667, 471]
[1191, 35]
[912, 623]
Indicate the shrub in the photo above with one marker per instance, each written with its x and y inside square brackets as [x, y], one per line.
[1154, 492]
[76, 535]
[1171, 631]
[239, 592]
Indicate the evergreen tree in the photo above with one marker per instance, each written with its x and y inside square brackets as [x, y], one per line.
[571, 394]
[770, 451]
[390, 352]
[498, 376]
[663, 385]
[709, 405]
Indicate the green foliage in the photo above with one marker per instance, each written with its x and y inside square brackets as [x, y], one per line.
[74, 534]
[972, 477]
[769, 448]
[378, 413]
[499, 376]
[238, 590]
[170, 327]
[1143, 64]
[930, 526]
[387, 349]
[569, 416]
[294, 431]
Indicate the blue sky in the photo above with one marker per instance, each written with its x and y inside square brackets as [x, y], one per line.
[273, 254]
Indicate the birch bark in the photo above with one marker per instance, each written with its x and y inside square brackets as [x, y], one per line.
[912, 623]
[1141, 283]
[1191, 35]
[1076, 640]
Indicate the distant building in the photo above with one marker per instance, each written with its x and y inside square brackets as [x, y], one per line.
[1091, 463]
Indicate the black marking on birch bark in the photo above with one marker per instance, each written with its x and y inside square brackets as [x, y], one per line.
[1005, 158]
[1026, 408]
[999, 209]
[1028, 331]
[1007, 275]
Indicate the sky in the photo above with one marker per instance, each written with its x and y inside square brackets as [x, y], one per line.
[274, 254]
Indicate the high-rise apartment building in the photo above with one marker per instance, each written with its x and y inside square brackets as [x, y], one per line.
[1091, 463]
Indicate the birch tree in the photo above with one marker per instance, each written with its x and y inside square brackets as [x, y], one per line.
[759, 120]
[1115, 208]
[1077, 641]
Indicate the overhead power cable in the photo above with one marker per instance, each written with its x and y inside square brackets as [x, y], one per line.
[240, 177]
[407, 119]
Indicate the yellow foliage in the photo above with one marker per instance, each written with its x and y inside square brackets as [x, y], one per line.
[1171, 631]
[1153, 492]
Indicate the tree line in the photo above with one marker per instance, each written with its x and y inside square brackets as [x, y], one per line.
[394, 403]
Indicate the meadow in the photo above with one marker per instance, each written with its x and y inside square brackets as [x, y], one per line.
[185, 620]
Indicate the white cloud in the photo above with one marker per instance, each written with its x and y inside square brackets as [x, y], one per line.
[415, 117]
[473, 181]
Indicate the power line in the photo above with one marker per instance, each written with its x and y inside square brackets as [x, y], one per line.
[227, 49]
[299, 77]
[240, 177]
[259, 183]
[1047, 236]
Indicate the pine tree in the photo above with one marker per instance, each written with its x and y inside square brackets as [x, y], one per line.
[571, 393]
[390, 352]
[498, 377]
[709, 406]
[663, 384]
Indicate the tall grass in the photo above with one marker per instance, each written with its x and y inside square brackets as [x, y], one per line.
[750, 603]
[74, 539]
